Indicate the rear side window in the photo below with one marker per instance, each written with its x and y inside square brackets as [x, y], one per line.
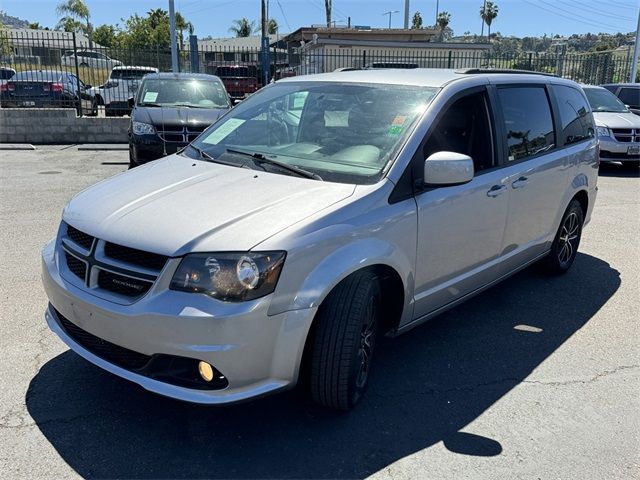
[630, 96]
[576, 121]
[528, 121]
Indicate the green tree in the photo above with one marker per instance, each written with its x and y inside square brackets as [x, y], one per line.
[75, 16]
[6, 47]
[488, 13]
[443, 22]
[182, 24]
[107, 36]
[243, 27]
[416, 21]
[34, 26]
[272, 27]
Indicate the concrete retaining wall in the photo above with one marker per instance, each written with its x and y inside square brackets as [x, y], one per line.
[59, 125]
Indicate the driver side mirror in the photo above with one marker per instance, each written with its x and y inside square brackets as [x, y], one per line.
[448, 169]
[87, 87]
[131, 101]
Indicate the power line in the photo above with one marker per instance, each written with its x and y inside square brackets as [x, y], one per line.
[578, 16]
[284, 16]
[585, 7]
[593, 24]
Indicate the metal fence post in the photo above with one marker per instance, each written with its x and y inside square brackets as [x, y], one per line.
[75, 57]
[449, 60]
[194, 54]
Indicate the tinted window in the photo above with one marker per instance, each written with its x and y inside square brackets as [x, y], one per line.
[630, 96]
[465, 128]
[5, 74]
[528, 122]
[576, 121]
[134, 73]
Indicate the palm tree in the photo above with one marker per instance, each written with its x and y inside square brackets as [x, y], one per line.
[443, 22]
[182, 24]
[272, 28]
[327, 11]
[157, 17]
[243, 27]
[488, 12]
[75, 12]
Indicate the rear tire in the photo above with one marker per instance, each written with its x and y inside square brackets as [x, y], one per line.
[342, 347]
[132, 162]
[565, 244]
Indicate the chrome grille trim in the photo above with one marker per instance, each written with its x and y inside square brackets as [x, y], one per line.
[626, 135]
[180, 134]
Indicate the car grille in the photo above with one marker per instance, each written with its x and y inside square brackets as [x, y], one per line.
[79, 238]
[152, 261]
[120, 356]
[180, 133]
[76, 266]
[626, 135]
[108, 269]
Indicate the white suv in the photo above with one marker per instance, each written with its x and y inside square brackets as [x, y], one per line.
[315, 216]
[121, 85]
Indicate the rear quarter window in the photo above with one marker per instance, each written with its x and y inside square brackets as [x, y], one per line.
[575, 114]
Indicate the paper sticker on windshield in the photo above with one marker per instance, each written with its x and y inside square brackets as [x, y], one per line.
[223, 131]
[336, 118]
[399, 120]
[395, 130]
[150, 96]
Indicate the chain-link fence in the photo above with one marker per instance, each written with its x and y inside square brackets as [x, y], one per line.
[60, 69]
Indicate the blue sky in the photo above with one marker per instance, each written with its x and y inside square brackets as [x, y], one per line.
[516, 17]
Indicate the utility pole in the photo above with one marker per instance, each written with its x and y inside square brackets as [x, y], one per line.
[172, 37]
[636, 48]
[265, 44]
[390, 12]
[406, 14]
[437, 11]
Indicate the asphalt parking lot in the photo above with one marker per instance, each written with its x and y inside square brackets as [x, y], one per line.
[536, 378]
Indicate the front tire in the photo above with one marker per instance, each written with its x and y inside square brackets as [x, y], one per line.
[344, 340]
[565, 244]
[631, 165]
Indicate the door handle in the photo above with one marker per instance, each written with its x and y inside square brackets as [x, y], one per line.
[496, 190]
[521, 182]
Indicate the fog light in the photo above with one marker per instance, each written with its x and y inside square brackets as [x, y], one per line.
[206, 371]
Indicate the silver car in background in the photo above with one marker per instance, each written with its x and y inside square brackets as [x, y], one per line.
[319, 214]
[618, 128]
[121, 85]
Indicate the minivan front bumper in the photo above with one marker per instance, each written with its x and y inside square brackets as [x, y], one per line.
[256, 352]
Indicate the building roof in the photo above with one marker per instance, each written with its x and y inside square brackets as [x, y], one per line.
[307, 34]
[253, 42]
[47, 38]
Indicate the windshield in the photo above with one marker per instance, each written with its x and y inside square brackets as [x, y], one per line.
[342, 132]
[132, 74]
[182, 92]
[602, 100]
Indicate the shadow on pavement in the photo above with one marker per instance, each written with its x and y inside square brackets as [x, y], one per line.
[427, 386]
[616, 169]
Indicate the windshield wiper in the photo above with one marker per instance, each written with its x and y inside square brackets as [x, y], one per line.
[205, 156]
[189, 105]
[259, 158]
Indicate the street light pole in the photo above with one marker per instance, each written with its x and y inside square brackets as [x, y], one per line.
[265, 44]
[172, 36]
[390, 12]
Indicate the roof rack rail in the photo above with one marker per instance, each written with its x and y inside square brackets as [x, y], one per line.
[500, 70]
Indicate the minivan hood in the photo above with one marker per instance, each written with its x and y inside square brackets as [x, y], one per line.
[617, 120]
[178, 205]
[177, 116]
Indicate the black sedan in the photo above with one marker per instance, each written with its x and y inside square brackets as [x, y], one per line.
[48, 88]
[171, 110]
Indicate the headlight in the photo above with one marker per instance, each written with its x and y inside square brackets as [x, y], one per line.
[140, 128]
[603, 132]
[229, 276]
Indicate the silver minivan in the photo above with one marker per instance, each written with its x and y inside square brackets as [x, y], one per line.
[319, 214]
